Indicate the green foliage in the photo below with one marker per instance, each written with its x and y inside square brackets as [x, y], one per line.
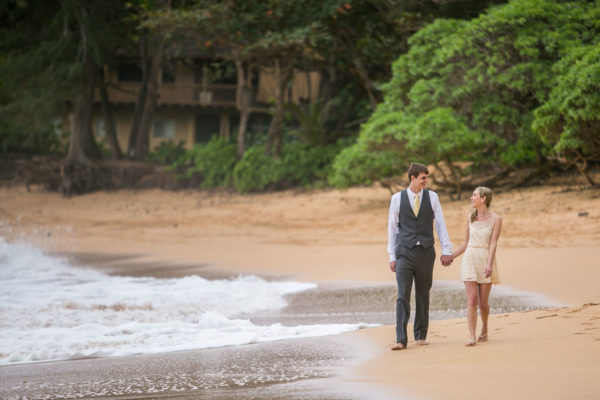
[316, 126]
[255, 171]
[371, 157]
[213, 162]
[167, 152]
[43, 49]
[300, 164]
[570, 119]
[303, 164]
[467, 91]
[391, 141]
[18, 139]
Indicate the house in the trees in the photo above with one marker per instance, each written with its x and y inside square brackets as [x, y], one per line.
[197, 99]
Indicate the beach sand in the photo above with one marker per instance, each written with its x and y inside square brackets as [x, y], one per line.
[549, 245]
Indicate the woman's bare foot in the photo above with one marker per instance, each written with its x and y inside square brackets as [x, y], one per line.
[421, 342]
[483, 336]
[471, 343]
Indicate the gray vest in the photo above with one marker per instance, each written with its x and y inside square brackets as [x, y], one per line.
[411, 228]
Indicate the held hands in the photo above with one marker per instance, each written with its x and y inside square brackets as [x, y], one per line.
[446, 260]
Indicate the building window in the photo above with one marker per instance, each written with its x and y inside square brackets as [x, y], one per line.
[129, 73]
[168, 75]
[100, 128]
[57, 126]
[164, 129]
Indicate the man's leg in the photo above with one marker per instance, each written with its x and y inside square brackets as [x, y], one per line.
[423, 281]
[404, 278]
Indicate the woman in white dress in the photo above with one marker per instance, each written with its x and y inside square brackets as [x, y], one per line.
[479, 270]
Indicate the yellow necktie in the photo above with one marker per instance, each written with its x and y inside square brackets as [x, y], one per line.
[416, 207]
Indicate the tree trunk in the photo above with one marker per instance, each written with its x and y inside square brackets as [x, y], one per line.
[82, 147]
[109, 127]
[366, 81]
[143, 137]
[329, 78]
[242, 103]
[274, 139]
[139, 105]
[347, 112]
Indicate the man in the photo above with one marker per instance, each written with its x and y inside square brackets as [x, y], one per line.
[410, 247]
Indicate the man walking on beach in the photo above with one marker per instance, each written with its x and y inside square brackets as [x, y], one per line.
[410, 247]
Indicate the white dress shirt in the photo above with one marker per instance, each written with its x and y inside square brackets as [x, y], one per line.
[440, 225]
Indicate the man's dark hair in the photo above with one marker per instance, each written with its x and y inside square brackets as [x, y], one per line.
[416, 169]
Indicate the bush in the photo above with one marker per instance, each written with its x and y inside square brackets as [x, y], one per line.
[17, 139]
[300, 164]
[166, 153]
[213, 162]
[255, 171]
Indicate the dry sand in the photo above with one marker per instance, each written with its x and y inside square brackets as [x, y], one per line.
[549, 245]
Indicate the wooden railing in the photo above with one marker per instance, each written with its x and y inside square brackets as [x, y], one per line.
[184, 95]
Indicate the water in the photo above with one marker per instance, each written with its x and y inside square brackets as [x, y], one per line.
[51, 310]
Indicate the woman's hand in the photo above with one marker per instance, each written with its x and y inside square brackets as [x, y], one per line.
[488, 271]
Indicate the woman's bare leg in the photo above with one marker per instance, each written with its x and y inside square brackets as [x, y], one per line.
[484, 309]
[472, 295]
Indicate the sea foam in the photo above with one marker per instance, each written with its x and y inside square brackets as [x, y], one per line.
[52, 310]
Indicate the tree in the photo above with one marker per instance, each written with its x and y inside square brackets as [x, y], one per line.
[570, 120]
[52, 52]
[394, 140]
[225, 29]
[492, 72]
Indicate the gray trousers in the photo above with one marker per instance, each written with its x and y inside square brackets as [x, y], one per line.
[416, 265]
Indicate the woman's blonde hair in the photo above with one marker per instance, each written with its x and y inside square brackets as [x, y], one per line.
[483, 192]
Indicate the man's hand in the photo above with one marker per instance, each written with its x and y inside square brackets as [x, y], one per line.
[393, 266]
[446, 260]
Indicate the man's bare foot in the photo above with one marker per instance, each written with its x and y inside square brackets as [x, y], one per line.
[422, 342]
[398, 346]
[471, 343]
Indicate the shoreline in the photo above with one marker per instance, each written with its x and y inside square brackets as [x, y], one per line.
[327, 236]
[356, 352]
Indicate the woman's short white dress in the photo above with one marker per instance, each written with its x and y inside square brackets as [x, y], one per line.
[476, 255]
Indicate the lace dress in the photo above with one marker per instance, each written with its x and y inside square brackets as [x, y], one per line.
[476, 255]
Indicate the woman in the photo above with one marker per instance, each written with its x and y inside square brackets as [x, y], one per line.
[478, 270]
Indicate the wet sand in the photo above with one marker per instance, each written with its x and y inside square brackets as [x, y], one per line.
[291, 369]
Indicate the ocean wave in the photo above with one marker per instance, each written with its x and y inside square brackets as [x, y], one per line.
[52, 310]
